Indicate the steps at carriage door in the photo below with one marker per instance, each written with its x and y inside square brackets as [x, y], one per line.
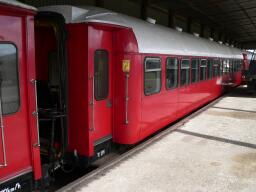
[102, 70]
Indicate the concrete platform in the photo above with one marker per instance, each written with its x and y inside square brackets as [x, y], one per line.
[215, 151]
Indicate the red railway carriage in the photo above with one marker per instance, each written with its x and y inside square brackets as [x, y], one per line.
[128, 78]
[19, 147]
[101, 78]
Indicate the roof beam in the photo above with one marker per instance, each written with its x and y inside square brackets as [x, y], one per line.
[245, 12]
[99, 3]
[249, 44]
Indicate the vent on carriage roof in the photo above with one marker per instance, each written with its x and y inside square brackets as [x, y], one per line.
[89, 12]
[178, 29]
[151, 20]
[196, 34]
[74, 14]
[220, 42]
[210, 38]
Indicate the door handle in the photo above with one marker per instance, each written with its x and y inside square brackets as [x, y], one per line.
[108, 103]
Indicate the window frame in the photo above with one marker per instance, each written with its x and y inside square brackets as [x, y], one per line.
[177, 85]
[17, 75]
[205, 69]
[180, 69]
[225, 69]
[144, 70]
[214, 65]
[198, 70]
[209, 73]
[236, 66]
[231, 66]
[228, 66]
[220, 67]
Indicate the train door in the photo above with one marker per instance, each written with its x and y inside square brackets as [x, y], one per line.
[15, 135]
[51, 70]
[100, 51]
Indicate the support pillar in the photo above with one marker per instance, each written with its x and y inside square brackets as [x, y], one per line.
[212, 33]
[201, 30]
[143, 9]
[99, 3]
[189, 21]
[220, 36]
[170, 19]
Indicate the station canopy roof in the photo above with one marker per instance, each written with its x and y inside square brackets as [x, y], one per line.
[237, 18]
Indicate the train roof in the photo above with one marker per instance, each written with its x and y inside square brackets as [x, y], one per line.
[17, 4]
[151, 38]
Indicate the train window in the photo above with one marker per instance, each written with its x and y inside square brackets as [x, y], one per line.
[152, 75]
[225, 66]
[231, 65]
[184, 72]
[216, 64]
[235, 65]
[228, 66]
[194, 70]
[101, 74]
[203, 69]
[171, 73]
[209, 68]
[221, 68]
[240, 64]
[9, 79]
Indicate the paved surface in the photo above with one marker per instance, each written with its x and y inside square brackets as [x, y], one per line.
[215, 151]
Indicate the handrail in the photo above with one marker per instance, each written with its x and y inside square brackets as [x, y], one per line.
[126, 97]
[2, 131]
[35, 113]
[92, 126]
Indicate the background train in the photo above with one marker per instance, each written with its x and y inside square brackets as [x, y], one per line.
[249, 72]
[75, 80]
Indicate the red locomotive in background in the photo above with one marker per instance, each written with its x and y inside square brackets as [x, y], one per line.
[76, 80]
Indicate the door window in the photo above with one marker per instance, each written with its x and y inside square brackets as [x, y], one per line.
[9, 81]
[101, 74]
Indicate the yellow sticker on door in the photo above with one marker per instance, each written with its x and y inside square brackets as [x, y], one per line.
[126, 65]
